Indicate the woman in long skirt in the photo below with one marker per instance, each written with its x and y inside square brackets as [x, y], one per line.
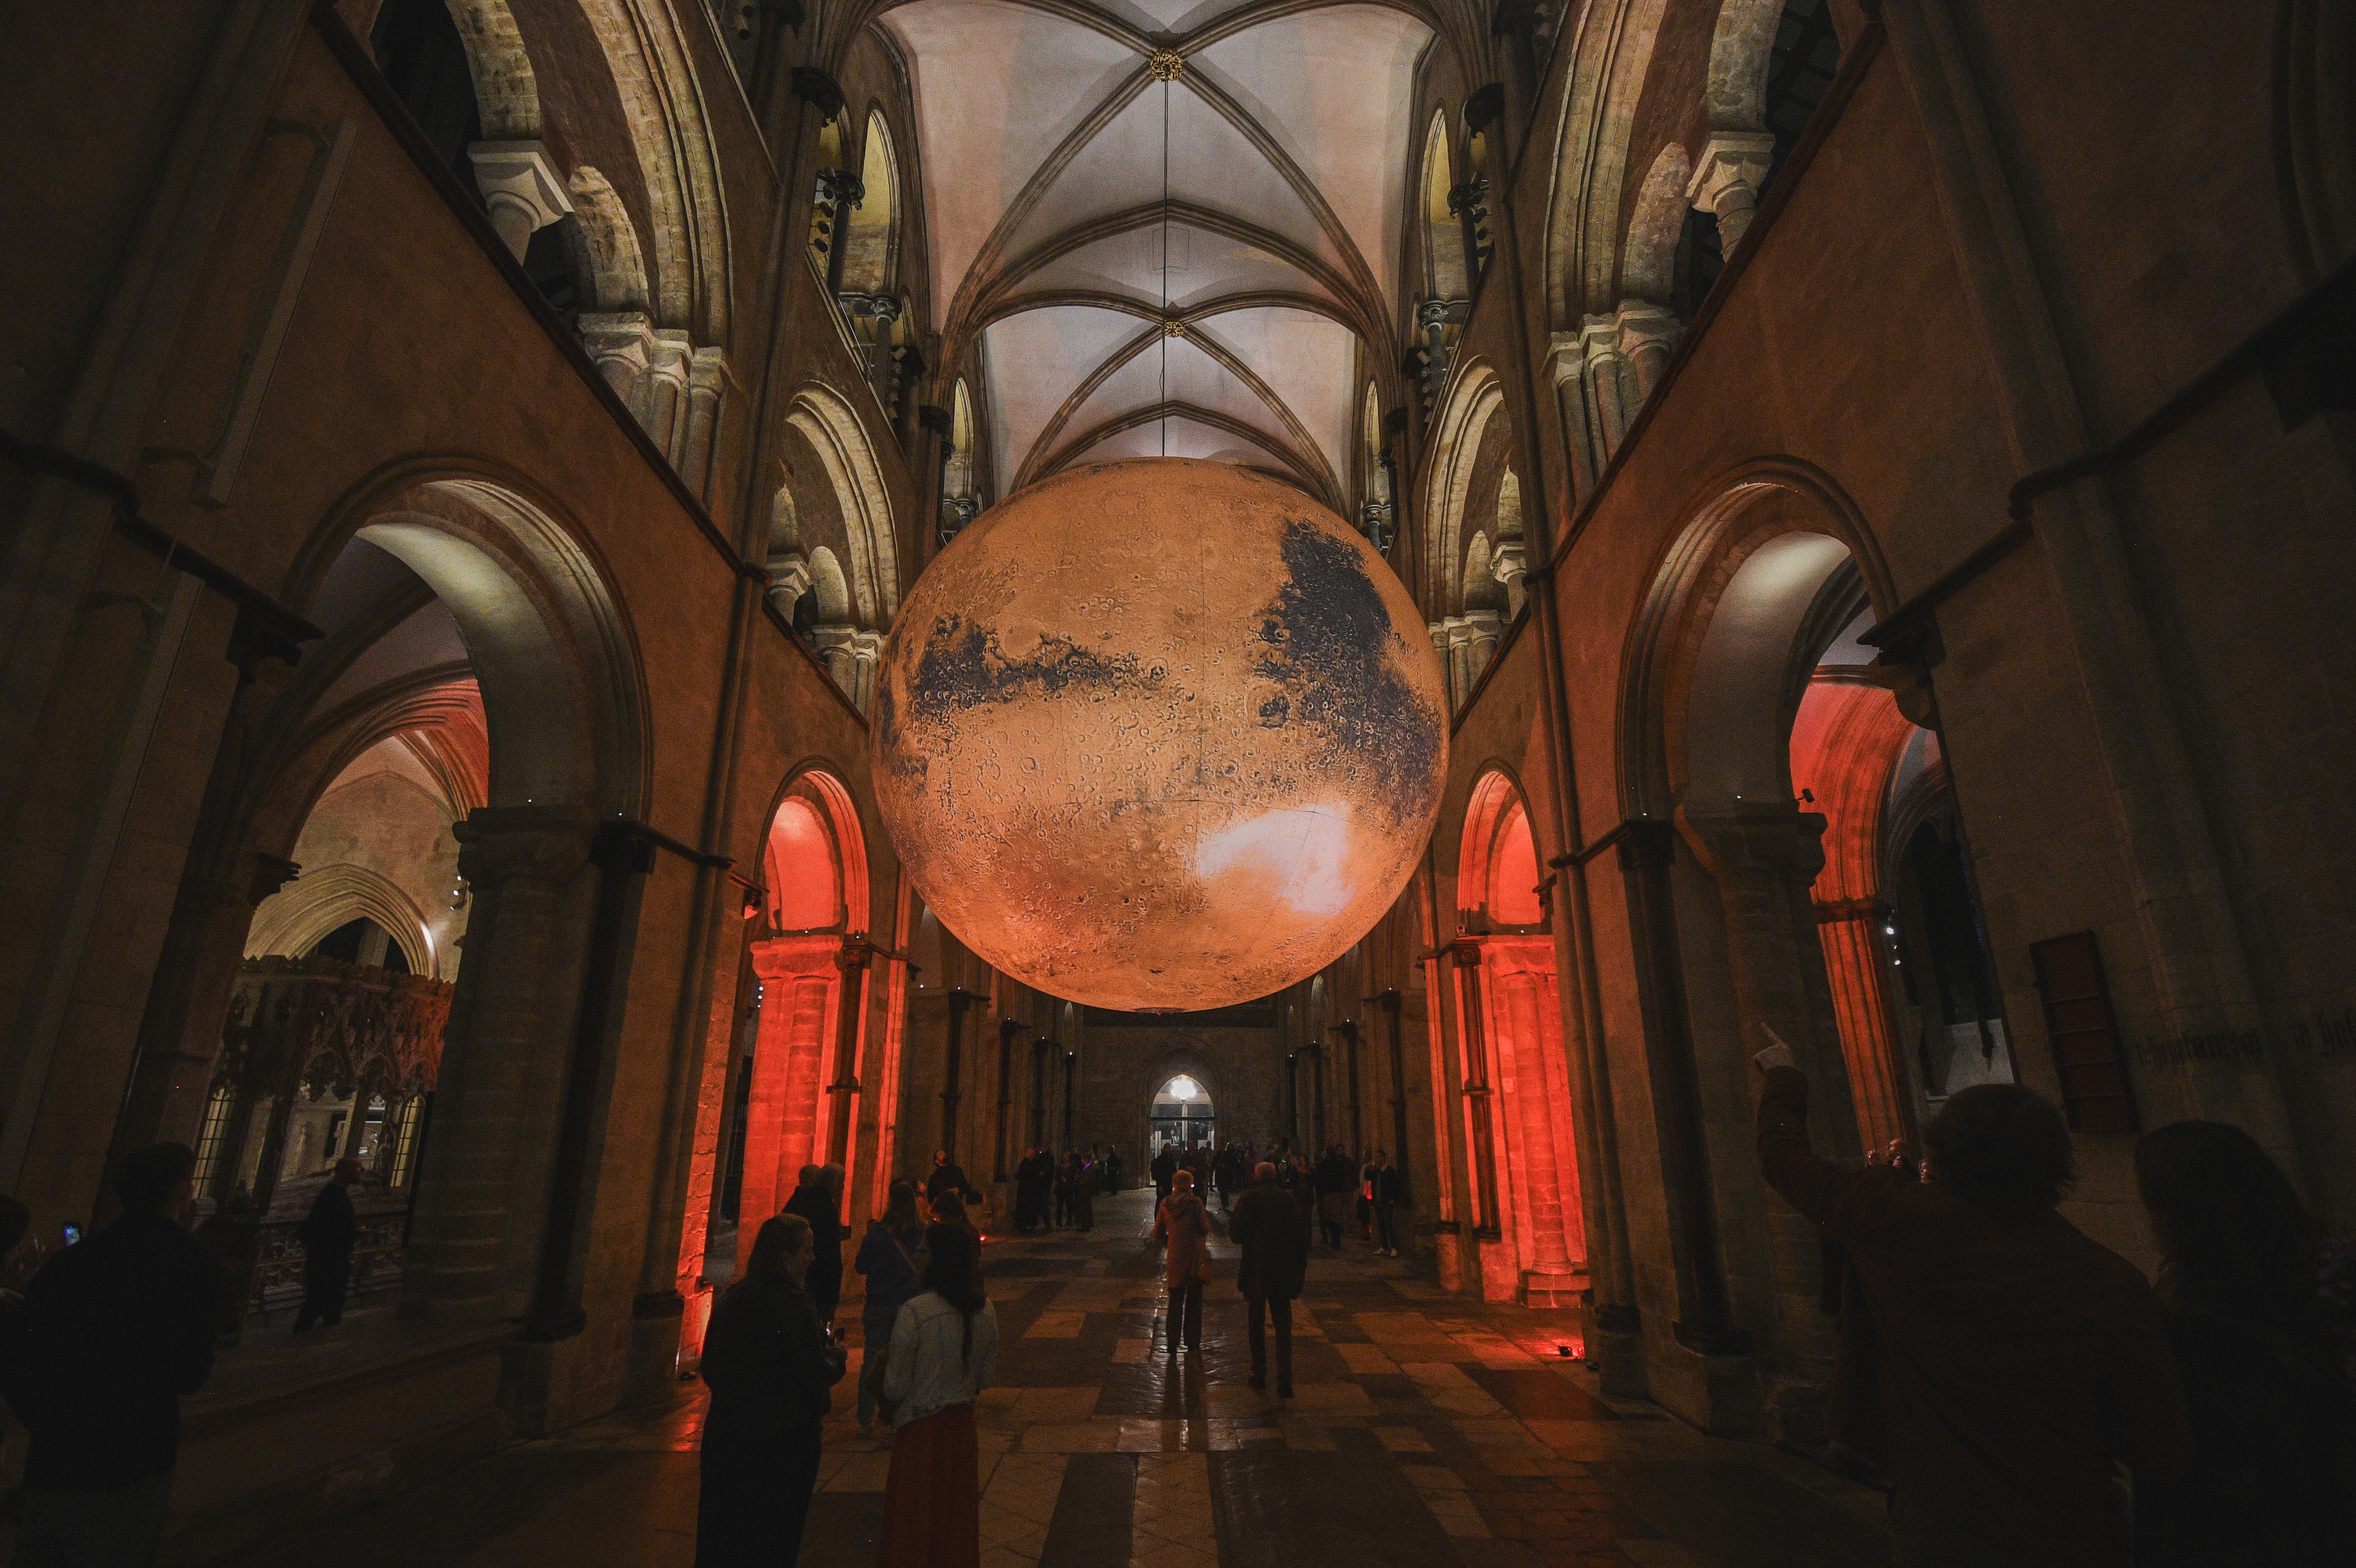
[767, 1363]
[943, 1351]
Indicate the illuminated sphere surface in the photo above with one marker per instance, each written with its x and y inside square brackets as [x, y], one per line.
[1159, 734]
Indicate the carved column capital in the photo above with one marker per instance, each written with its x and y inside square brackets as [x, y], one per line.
[1726, 179]
[521, 188]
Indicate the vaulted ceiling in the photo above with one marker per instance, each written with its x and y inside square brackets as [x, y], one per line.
[1180, 255]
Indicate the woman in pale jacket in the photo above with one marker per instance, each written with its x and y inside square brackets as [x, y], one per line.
[944, 1349]
[1184, 1227]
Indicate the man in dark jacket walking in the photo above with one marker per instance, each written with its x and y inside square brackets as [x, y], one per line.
[120, 1325]
[1266, 1225]
[814, 1201]
[1387, 1188]
[327, 1235]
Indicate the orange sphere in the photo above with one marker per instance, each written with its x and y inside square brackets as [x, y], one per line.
[1159, 734]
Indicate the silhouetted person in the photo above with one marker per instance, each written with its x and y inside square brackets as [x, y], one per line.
[1164, 1167]
[1387, 1189]
[1265, 1224]
[327, 1233]
[2016, 1361]
[944, 1353]
[1112, 1172]
[892, 1256]
[1336, 1180]
[947, 1175]
[19, 1252]
[769, 1366]
[1184, 1228]
[1085, 1177]
[815, 1201]
[2268, 1391]
[120, 1327]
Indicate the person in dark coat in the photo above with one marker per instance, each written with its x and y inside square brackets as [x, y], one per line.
[1164, 1167]
[1112, 1173]
[1387, 1189]
[947, 1175]
[814, 1201]
[1266, 1223]
[2015, 1362]
[1336, 1179]
[329, 1233]
[2273, 1417]
[892, 1256]
[120, 1327]
[769, 1366]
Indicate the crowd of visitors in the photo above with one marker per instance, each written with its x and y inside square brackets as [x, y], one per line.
[1051, 1194]
[1997, 1368]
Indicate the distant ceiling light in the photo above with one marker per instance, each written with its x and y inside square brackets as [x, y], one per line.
[1182, 1088]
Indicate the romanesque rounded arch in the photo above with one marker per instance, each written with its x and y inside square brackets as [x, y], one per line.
[1680, 644]
[1473, 400]
[1611, 50]
[835, 433]
[647, 51]
[545, 634]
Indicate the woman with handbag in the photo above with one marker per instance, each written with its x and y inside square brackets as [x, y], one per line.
[1184, 1228]
[892, 1256]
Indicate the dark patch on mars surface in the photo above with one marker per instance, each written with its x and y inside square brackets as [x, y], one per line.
[1330, 644]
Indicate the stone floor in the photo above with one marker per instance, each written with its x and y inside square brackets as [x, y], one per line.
[1428, 1431]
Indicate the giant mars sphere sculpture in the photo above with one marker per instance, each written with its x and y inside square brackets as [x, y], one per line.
[1159, 734]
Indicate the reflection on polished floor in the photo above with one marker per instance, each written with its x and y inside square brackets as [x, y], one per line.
[1429, 1430]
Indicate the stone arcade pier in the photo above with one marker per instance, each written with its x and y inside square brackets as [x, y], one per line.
[1429, 1432]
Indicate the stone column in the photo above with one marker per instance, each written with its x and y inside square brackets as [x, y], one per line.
[481, 1212]
[1536, 1082]
[1604, 374]
[799, 982]
[1647, 337]
[622, 345]
[866, 651]
[1727, 179]
[667, 400]
[1483, 628]
[835, 649]
[1861, 1008]
[520, 187]
[707, 383]
[1764, 862]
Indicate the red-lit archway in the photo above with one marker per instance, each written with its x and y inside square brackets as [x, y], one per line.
[811, 960]
[1518, 1124]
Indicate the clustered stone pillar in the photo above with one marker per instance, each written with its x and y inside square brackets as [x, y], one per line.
[481, 1213]
[850, 656]
[799, 981]
[1764, 862]
[1603, 376]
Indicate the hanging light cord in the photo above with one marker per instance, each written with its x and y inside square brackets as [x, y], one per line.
[1165, 266]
